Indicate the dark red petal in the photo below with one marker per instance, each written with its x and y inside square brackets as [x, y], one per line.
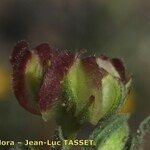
[45, 53]
[19, 58]
[20, 51]
[94, 73]
[50, 90]
[118, 64]
[104, 57]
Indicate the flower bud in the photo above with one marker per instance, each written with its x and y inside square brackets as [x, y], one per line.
[47, 82]
[95, 88]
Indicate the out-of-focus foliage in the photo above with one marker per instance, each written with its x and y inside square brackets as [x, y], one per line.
[4, 82]
[129, 104]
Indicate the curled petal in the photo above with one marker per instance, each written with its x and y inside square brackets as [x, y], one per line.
[19, 59]
[113, 66]
[28, 70]
[92, 70]
[51, 87]
[45, 53]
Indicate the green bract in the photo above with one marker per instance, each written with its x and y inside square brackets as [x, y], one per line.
[111, 134]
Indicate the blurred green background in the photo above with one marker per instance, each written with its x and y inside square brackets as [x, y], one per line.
[117, 28]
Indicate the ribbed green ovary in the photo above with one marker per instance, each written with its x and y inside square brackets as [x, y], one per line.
[116, 140]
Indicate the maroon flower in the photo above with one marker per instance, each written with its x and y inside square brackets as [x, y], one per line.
[46, 81]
